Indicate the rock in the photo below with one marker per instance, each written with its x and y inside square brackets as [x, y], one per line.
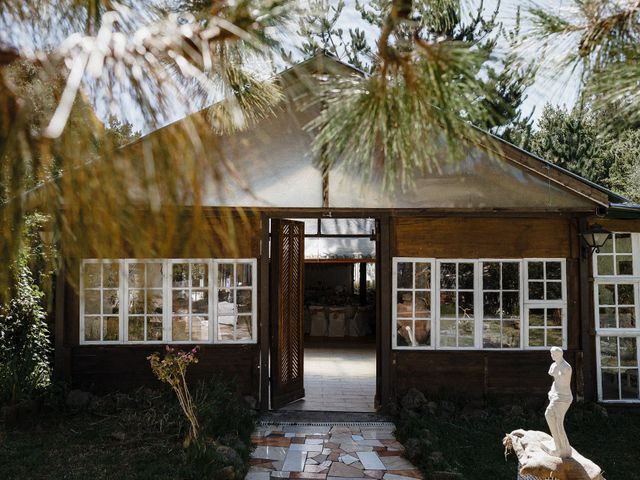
[77, 399]
[251, 402]
[529, 446]
[228, 454]
[413, 400]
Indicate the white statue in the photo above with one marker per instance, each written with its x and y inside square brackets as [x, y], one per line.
[560, 399]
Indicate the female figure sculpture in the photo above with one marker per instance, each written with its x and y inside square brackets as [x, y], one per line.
[560, 398]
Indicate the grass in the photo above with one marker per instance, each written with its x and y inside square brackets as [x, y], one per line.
[135, 436]
[471, 439]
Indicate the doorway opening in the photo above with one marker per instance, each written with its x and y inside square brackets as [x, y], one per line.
[339, 298]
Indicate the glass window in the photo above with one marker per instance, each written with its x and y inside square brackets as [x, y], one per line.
[615, 256]
[501, 304]
[412, 305]
[100, 301]
[189, 301]
[619, 368]
[235, 293]
[615, 305]
[145, 301]
[545, 326]
[457, 304]
[545, 280]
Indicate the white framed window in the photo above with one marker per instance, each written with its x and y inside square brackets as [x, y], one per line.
[236, 300]
[457, 286]
[412, 305]
[100, 294]
[617, 317]
[479, 303]
[164, 301]
[501, 304]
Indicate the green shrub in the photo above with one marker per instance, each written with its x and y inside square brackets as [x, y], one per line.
[24, 342]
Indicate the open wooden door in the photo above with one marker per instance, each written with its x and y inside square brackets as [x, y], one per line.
[287, 312]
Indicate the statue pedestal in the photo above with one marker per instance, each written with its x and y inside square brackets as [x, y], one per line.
[535, 463]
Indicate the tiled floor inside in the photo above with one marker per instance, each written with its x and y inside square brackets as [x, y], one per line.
[338, 379]
[333, 452]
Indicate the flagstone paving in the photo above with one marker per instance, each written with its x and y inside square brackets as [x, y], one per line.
[329, 452]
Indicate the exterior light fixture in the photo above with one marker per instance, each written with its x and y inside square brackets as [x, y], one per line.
[595, 237]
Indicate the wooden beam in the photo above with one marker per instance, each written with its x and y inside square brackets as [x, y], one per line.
[383, 332]
[263, 293]
[587, 324]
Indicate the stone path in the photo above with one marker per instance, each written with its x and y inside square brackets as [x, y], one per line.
[329, 452]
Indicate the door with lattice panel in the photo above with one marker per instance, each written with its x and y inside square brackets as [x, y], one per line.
[287, 311]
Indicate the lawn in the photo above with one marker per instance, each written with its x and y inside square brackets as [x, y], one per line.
[136, 436]
[469, 440]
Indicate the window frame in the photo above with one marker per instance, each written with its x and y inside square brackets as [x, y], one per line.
[394, 293]
[524, 303]
[616, 335]
[167, 287]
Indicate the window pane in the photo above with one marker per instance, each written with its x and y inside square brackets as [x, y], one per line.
[608, 352]
[448, 333]
[154, 329]
[199, 275]
[491, 334]
[491, 305]
[626, 317]
[466, 341]
[606, 295]
[510, 304]
[448, 276]
[610, 386]
[623, 243]
[110, 301]
[135, 331]
[404, 334]
[199, 301]
[154, 275]
[180, 301]
[536, 317]
[465, 304]
[554, 271]
[423, 305]
[554, 291]
[536, 271]
[243, 275]
[136, 301]
[180, 329]
[629, 383]
[491, 276]
[628, 352]
[404, 304]
[625, 295]
[244, 301]
[92, 302]
[511, 334]
[605, 265]
[199, 328]
[111, 328]
[608, 246]
[511, 276]
[180, 275]
[465, 276]
[554, 337]
[554, 317]
[111, 275]
[225, 275]
[136, 275]
[624, 264]
[536, 291]
[244, 328]
[154, 301]
[466, 329]
[405, 275]
[607, 317]
[423, 275]
[423, 332]
[225, 331]
[536, 337]
[447, 304]
[92, 328]
[91, 276]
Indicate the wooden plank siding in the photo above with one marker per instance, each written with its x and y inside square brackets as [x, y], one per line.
[482, 373]
[123, 367]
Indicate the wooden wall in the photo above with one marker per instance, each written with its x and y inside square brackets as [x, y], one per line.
[494, 373]
[124, 367]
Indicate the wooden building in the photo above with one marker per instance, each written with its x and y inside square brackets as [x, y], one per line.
[479, 269]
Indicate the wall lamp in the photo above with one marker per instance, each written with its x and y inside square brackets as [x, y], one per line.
[594, 238]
